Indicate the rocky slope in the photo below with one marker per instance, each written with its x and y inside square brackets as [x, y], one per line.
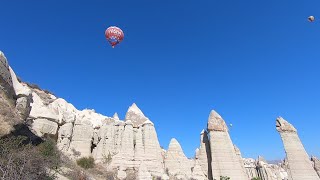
[132, 144]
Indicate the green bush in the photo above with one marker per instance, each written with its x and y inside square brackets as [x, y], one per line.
[48, 148]
[256, 178]
[86, 162]
[50, 152]
[224, 178]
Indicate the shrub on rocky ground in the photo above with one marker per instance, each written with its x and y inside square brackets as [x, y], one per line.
[19, 159]
[86, 162]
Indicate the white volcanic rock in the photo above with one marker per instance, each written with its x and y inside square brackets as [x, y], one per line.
[44, 126]
[225, 161]
[238, 153]
[148, 122]
[283, 126]
[197, 154]
[65, 130]
[250, 167]
[135, 115]
[270, 171]
[176, 163]
[205, 154]
[152, 150]
[300, 166]
[139, 146]
[81, 142]
[23, 106]
[107, 142]
[316, 164]
[40, 110]
[216, 123]
[121, 174]
[165, 177]
[64, 137]
[87, 116]
[125, 157]
[20, 89]
[197, 172]
[115, 116]
[66, 111]
[143, 173]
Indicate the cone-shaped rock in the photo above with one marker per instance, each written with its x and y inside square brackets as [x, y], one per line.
[300, 166]
[225, 161]
[115, 116]
[152, 150]
[135, 115]
[176, 163]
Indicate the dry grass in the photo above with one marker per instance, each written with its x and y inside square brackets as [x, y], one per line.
[21, 160]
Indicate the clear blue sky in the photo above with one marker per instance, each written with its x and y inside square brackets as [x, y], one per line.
[249, 60]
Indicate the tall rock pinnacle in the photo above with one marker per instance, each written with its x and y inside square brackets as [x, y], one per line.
[135, 115]
[300, 167]
[225, 161]
[216, 123]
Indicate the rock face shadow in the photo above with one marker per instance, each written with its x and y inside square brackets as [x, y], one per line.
[208, 151]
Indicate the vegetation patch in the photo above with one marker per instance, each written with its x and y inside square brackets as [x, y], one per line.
[86, 162]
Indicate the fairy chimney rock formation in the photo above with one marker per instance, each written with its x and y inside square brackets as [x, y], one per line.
[115, 116]
[176, 163]
[225, 161]
[299, 164]
[135, 115]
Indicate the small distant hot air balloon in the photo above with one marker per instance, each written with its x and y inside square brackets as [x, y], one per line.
[114, 35]
[230, 125]
[311, 18]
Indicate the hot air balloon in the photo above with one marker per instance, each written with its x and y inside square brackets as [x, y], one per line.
[114, 35]
[311, 18]
[230, 125]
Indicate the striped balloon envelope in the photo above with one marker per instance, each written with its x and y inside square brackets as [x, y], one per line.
[114, 35]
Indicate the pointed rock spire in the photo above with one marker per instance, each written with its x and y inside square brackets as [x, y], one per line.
[300, 166]
[175, 146]
[135, 109]
[115, 116]
[135, 115]
[216, 123]
[176, 162]
[284, 126]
